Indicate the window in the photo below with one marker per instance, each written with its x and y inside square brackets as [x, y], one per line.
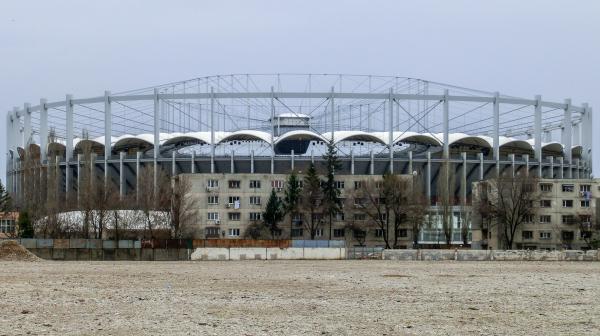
[255, 216]
[339, 184]
[358, 184]
[339, 216]
[213, 200]
[545, 235]
[379, 233]
[7, 226]
[297, 232]
[213, 216]
[233, 199]
[234, 216]
[585, 203]
[585, 219]
[382, 216]
[277, 184]
[318, 232]
[297, 219]
[379, 184]
[545, 203]
[212, 231]
[255, 184]
[568, 235]
[545, 187]
[360, 216]
[585, 187]
[255, 200]
[338, 233]
[212, 183]
[568, 187]
[568, 219]
[567, 203]
[545, 219]
[234, 184]
[527, 234]
[317, 217]
[586, 234]
[359, 202]
[528, 218]
[402, 233]
[233, 232]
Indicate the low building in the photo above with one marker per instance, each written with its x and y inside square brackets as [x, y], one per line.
[565, 216]
[8, 224]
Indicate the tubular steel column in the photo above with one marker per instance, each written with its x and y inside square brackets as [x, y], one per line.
[568, 136]
[410, 162]
[537, 130]
[27, 126]
[212, 130]
[551, 168]
[107, 134]
[496, 132]
[463, 180]
[232, 163]
[292, 158]
[173, 164]
[121, 175]
[512, 164]
[79, 158]
[428, 177]
[252, 161]
[561, 172]
[351, 162]
[372, 165]
[138, 172]
[446, 125]
[526, 158]
[43, 131]
[272, 130]
[332, 112]
[156, 140]
[193, 165]
[391, 130]
[68, 145]
[481, 168]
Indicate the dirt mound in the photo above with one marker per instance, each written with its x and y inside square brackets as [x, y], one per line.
[10, 250]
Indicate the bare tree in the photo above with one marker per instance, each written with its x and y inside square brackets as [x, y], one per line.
[418, 209]
[446, 199]
[311, 198]
[507, 202]
[183, 207]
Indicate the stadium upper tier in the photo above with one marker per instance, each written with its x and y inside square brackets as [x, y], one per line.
[178, 140]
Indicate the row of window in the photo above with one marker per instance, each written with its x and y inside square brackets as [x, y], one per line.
[278, 184]
[566, 219]
[546, 235]
[234, 216]
[214, 200]
[566, 203]
[547, 187]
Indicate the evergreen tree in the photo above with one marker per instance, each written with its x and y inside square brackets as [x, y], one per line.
[331, 194]
[5, 201]
[25, 225]
[273, 213]
[311, 198]
[291, 202]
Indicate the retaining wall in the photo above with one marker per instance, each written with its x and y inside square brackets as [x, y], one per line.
[499, 255]
[272, 253]
[111, 254]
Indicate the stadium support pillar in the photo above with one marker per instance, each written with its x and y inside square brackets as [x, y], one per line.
[463, 180]
[312, 156]
[561, 172]
[212, 130]
[526, 158]
[577, 170]
[252, 161]
[428, 177]
[92, 170]
[155, 140]
[107, 134]
[173, 164]
[586, 135]
[481, 168]
[292, 159]
[272, 130]
[410, 162]
[332, 103]
[512, 164]
[193, 164]
[567, 130]
[537, 131]
[138, 172]
[391, 130]
[232, 162]
[121, 175]
[68, 145]
[43, 131]
[446, 126]
[351, 162]
[79, 156]
[26, 127]
[372, 164]
[496, 132]
[57, 177]
[551, 168]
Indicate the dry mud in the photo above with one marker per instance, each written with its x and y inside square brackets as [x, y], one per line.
[300, 298]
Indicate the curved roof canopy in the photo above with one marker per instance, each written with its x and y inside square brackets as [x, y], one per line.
[247, 135]
[455, 139]
[353, 136]
[126, 142]
[300, 135]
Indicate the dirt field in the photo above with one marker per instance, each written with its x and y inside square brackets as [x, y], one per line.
[300, 298]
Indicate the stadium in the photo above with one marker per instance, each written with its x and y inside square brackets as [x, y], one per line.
[273, 124]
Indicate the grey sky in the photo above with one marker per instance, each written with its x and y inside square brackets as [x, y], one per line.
[520, 48]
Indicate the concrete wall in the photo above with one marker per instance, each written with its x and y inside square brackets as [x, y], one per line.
[292, 253]
[499, 255]
[110, 254]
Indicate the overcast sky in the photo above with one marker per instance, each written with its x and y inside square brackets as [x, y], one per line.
[520, 48]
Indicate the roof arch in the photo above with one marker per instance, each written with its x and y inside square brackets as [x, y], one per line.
[577, 151]
[300, 135]
[339, 136]
[511, 143]
[125, 142]
[417, 138]
[247, 135]
[552, 147]
[94, 145]
[188, 139]
[469, 140]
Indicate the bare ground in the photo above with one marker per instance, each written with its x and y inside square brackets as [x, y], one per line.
[300, 298]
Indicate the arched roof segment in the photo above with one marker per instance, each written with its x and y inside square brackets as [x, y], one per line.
[418, 138]
[466, 139]
[247, 135]
[142, 141]
[353, 136]
[523, 145]
[300, 135]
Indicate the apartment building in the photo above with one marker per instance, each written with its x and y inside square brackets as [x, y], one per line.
[565, 216]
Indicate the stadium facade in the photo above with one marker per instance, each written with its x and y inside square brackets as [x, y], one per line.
[270, 125]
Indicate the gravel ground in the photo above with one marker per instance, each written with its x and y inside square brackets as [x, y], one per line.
[300, 298]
